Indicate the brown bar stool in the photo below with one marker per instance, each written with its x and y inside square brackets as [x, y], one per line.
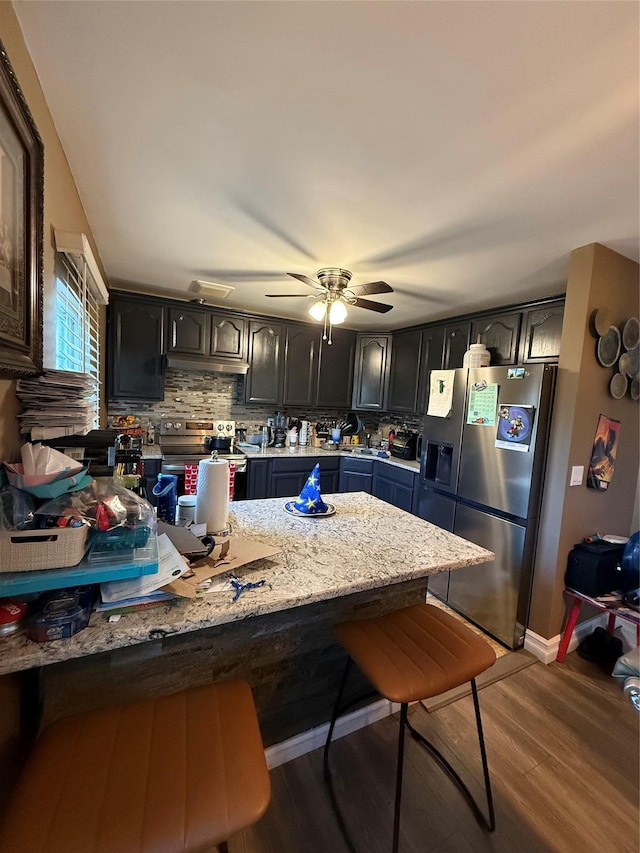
[416, 653]
[178, 773]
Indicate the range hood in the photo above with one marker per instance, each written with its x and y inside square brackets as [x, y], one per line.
[210, 365]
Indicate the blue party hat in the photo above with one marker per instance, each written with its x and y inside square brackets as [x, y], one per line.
[309, 501]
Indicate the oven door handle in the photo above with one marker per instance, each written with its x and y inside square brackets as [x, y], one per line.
[170, 468]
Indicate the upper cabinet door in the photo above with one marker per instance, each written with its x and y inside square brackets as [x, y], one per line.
[228, 336]
[188, 332]
[371, 379]
[135, 369]
[300, 365]
[456, 343]
[335, 371]
[432, 359]
[406, 368]
[542, 333]
[500, 334]
[264, 379]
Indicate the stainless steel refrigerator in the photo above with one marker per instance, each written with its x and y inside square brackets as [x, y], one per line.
[481, 474]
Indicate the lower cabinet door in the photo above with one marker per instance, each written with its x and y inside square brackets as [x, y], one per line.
[257, 479]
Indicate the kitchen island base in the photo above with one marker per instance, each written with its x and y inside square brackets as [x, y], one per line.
[291, 659]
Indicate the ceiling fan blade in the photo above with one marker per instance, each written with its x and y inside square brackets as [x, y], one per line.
[369, 288]
[290, 295]
[305, 279]
[380, 307]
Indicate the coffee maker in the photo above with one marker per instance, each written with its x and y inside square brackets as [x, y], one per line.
[279, 430]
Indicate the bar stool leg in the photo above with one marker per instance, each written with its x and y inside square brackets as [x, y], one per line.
[334, 717]
[483, 753]
[396, 815]
[447, 767]
[222, 847]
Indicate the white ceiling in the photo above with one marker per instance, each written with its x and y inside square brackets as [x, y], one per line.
[458, 150]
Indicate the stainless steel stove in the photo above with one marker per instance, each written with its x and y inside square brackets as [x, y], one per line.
[185, 440]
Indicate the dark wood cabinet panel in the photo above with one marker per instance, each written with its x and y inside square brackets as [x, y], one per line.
[228, 336]
[456, 343]
[500, 334]
[135, 368]
[394, 485]
[356, 475]
[264, 379]
[288, 476]
[188, 332]
[405, 371]
[371, 377]
[257, 478]
[432, 359]
[542, 333]
[300, 365]
[335, 370]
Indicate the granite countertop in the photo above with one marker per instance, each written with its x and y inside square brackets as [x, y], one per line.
[309, 451]
[367, 544]
[255, 452]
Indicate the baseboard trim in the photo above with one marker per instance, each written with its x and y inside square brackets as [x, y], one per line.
[547, 650]
[315, 738]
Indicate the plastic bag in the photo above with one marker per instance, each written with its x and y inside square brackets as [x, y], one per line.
[16, 509]
[104, 506]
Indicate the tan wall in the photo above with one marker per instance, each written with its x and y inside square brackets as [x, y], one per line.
[62, 206]
[598, 277]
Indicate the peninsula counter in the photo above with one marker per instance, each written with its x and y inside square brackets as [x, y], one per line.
[368, 558]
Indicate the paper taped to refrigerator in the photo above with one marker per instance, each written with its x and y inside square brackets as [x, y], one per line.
[441, 393]
[483, 403]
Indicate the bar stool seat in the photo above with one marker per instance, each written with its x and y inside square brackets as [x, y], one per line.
[178, 773]
[415, 653]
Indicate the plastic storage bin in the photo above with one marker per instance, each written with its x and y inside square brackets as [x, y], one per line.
[31, 550]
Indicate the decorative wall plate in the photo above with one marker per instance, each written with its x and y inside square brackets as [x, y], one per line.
[631, 333]
[618, 386]
[601, 320]
[635, 387]
[608, 347]
[629, 363]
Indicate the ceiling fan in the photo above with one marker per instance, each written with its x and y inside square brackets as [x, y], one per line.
[333, 293]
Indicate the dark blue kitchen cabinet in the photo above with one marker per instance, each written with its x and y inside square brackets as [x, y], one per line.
[288, 476]
[135, 367]
[257, 478]
[356, 475]
[394, 485]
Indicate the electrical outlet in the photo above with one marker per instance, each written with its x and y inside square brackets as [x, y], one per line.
[577, 473]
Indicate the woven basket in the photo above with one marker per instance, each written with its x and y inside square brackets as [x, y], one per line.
[30, 550]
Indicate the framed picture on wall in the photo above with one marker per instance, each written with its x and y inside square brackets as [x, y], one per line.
[21, 230]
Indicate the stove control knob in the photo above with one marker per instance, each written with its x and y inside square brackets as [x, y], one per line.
[177, 425]
[168, 425]
[220, 427]
[229, 428]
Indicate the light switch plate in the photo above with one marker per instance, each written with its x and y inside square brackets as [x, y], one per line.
[577, 473]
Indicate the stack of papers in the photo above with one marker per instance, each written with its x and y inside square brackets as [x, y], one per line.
[58, 403]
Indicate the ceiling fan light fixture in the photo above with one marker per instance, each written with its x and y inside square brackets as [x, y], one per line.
[318, 310]
[337, 313]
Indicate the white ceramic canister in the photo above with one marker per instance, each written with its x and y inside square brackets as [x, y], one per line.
[186, 513]
[477, 356]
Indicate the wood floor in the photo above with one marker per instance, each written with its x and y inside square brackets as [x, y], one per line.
[562, 742]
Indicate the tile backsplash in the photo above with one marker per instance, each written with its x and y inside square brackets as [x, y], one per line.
[221, 395]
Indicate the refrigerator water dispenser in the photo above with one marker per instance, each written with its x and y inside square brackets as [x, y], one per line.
[439, 462]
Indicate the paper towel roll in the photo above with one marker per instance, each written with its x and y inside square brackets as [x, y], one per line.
[212, 498]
